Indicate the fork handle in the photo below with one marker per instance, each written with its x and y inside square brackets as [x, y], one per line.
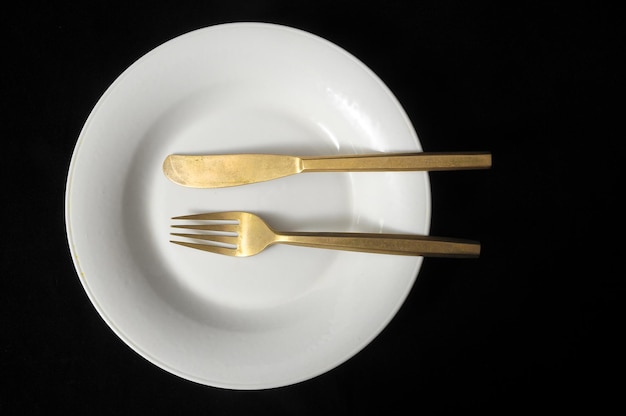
[398, 162]
[400, 244]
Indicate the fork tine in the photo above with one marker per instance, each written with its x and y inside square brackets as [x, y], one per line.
[205, 247]
[227, 239]
[209, 227]
[230, 216]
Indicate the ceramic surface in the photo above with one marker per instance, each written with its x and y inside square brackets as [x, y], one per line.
[289, 313]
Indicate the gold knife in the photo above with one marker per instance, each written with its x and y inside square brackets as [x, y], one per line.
[219, 171]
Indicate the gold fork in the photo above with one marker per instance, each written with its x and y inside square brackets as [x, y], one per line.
[243, 234]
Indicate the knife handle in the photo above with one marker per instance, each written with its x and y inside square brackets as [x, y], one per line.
[398, 162]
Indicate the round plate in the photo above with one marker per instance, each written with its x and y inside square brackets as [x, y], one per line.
[289, 313]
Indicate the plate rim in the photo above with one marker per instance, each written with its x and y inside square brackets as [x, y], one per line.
[128, 340]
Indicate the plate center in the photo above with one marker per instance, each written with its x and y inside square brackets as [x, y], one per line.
[221, 290]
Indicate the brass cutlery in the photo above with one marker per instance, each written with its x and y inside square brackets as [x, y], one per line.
[218, 171]
[243, 234]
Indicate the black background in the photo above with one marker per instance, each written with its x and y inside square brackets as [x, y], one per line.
[534, 324]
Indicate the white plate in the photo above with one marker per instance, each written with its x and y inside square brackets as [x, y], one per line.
[289, 313]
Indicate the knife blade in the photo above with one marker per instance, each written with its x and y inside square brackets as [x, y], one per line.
[219, 171]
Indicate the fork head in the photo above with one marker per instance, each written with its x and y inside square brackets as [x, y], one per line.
[233, 233]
